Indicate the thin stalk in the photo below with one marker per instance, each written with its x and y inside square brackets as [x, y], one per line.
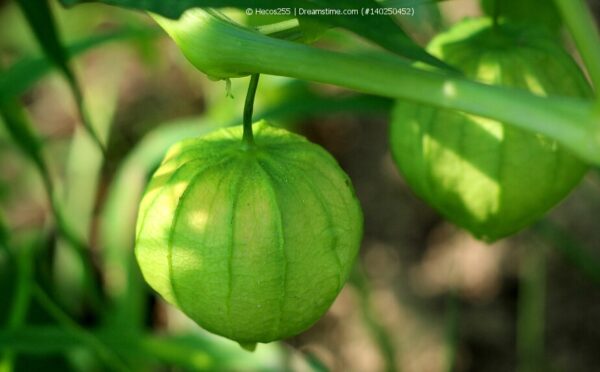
[4, 232]
[582, 26]
[83, 114]
[19, 306]
[249, 110]
[81, 251]
[40, 17]
[452, 329]
[496, 12]
[379, 333]
[531, 309]
[108, 356]
[578, 255]
[21, 130]
[569, 121]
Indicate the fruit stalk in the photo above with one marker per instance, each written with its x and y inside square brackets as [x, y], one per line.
[248, 137]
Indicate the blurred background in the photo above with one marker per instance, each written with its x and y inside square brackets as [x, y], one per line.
[425, 296]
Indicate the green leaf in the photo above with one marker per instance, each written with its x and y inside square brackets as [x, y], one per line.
[381, 30]
[174, 8]
[37, 340]
[541, 12]
[18, 125]
[22, 75]
[579, 256]
[41, 20]
[8, 273]
[4, 232]
[192, 351]
[21, 131]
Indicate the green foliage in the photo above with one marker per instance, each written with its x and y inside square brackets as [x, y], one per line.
[486, 176]
[40, 18]
[21, 131]
[217, 50]
[23, 74]
[7, 280]
[113, 332]
[259, 240]
[539, 12]
[382, 30]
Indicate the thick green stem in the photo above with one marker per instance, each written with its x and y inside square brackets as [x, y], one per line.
[582, 26]
[249, 110]
[214, 44]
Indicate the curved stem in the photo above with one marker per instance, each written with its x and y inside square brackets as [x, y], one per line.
[249, 109]
[215, 44]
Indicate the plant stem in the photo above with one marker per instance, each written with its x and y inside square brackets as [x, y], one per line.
[107, 355]
[249, 109]
[569, 121]
[21, 130]
[531, 308]
[380, 335]
[496, 14]
[19, 306]
[452, 329]
[582, 26]
[580, 257]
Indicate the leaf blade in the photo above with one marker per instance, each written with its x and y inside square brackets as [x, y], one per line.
[41, 21]
[381, 29]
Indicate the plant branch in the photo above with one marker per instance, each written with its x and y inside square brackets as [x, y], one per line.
[224, 46]
[530, 308]
[582, 26]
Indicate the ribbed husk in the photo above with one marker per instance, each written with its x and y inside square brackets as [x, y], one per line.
[252, 244]
[489, 177]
